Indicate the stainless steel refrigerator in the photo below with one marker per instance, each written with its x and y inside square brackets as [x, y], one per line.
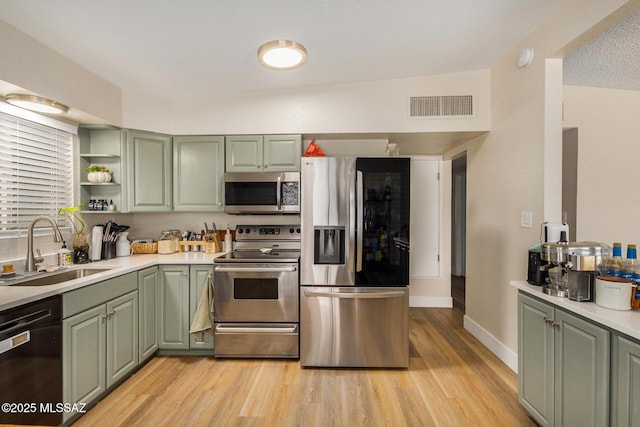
[354, 272]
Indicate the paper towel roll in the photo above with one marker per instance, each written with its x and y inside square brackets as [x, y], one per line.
[96, 243]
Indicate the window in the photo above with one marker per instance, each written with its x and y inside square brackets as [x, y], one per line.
[36, 168]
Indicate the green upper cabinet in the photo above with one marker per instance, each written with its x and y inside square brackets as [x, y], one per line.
[149, 171]
[257, 153]
[198, 171]
[281, 153]
[106, 146]
[244, 153]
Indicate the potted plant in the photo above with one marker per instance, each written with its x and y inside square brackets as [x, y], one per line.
[80, 237]
[98, 174]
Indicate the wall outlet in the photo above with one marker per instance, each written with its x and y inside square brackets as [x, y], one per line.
[526, 219]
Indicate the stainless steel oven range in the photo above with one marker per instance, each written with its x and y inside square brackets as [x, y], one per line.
[256, 294]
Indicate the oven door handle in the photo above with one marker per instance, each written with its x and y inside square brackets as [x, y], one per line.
[256, 330]
[256, 269]
[355, 295]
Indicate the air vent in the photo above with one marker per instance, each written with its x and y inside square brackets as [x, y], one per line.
[441, 106]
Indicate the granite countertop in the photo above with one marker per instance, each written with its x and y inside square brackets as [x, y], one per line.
[625, 321]
[13, 296]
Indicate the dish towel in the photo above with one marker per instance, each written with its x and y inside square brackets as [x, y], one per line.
[203, 319]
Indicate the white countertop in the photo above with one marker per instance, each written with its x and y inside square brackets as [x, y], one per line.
[626, 322]
[12, 296]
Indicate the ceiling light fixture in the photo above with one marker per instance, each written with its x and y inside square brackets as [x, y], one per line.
[36, 103]
[282, 55]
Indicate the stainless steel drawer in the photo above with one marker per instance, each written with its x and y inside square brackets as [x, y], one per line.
[268, 340]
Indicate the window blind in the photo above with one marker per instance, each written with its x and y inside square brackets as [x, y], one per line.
[36, 173]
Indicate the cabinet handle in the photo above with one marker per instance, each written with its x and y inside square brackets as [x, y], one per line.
[551, 321]
[104, 316]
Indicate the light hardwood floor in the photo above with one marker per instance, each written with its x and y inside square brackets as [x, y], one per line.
[452, 380]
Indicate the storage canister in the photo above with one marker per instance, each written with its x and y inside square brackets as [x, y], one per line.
[168, 241]
[614, 292]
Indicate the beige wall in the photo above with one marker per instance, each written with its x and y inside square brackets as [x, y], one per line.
[515, 167]
[608, 162]
[367, 107]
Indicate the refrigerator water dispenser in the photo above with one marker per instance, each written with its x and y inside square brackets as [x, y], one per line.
[329, 245]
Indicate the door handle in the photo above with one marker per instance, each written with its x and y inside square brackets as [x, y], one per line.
[359, 220]
[279, 193]
[256, 269]
[355, 295]
[256, 330]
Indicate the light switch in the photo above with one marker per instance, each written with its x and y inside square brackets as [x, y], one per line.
[526, 219]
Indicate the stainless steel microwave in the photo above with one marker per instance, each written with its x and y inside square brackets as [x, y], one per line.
[262, 192]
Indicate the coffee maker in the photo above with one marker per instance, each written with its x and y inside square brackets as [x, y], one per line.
[556, 256]
[538, 269]
[539, 265]
[575, 266]
[583, 261]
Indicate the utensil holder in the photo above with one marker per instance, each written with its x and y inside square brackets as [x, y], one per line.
[108, 250]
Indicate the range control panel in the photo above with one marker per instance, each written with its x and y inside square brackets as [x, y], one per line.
[267, 232]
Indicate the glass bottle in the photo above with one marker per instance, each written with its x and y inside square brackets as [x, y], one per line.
[615, 266]
[631, 263]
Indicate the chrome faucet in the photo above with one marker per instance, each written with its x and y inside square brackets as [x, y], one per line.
[31, 260]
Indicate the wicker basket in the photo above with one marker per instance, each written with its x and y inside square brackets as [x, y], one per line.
[144, 248]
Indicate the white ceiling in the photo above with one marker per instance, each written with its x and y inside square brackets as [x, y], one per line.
[610, 60]
[207, 48]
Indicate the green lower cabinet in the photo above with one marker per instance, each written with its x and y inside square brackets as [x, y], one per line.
[582, 357]
[563, 366]
[148, 312]
[197, 280]
[173, 281]
[122, 337]
[536, 359]
[180, 288]
[84, 356]
[100, 347]
[625, 386]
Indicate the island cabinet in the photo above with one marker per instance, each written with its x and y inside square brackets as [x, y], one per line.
[180, 288]
[149, 174]
[263, 153]
[563, 366]
[148, 313]
[100, 338]
[198, 172]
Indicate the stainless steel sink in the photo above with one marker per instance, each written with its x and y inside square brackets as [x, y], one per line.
[58, 277]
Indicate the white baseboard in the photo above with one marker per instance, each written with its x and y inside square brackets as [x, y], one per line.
[500, 350]
[434, 302]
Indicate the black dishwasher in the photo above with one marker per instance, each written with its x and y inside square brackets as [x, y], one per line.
[31, 363]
